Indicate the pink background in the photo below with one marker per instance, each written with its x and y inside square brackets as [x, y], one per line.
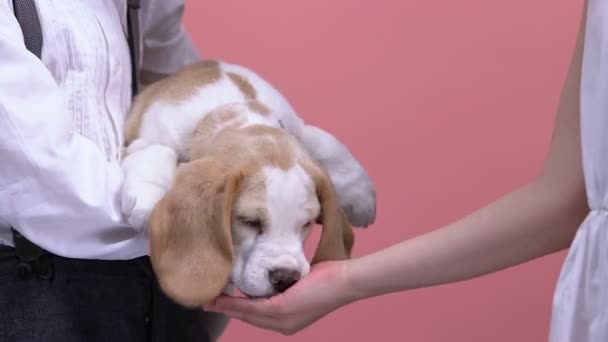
[449, 104]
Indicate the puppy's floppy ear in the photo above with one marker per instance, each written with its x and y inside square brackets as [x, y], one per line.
[337, 237]
[190, 233]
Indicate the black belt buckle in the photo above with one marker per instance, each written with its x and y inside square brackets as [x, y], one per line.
[29, 255]
[25, 249]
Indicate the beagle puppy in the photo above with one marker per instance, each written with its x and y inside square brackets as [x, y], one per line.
[228, 181]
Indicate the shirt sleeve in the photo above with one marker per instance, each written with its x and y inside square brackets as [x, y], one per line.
[55, 185]
[166, 46]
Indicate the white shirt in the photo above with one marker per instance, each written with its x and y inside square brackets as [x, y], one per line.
[62, 121]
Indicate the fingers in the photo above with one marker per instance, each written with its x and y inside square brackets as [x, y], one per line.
[259, 321]
[264, 307]
[265, 322]
[262, 313]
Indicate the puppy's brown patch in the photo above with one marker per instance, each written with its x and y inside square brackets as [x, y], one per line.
[251, 202]
[202, 142]
[174, 88]
[258, 107]
[271, 145]
[243, 84]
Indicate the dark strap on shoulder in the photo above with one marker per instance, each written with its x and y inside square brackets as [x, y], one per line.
[133, 39]
[27, 16]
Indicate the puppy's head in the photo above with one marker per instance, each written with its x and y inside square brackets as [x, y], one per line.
[243, 224]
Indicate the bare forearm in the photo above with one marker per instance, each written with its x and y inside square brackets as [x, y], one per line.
[528, 223]
[535, 220]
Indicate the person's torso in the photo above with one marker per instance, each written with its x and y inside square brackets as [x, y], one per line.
[85, 50]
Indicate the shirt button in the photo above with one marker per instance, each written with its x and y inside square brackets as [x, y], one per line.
[115, 66]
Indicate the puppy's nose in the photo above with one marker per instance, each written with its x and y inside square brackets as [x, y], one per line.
[283, 278]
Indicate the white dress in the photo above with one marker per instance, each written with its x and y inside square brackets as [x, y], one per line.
[580, 306]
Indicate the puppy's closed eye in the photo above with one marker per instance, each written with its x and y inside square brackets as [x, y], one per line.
[319, 218]
[253, 222]
[308, 224]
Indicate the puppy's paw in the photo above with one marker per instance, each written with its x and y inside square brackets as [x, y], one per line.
[138, 202]
[358, 200]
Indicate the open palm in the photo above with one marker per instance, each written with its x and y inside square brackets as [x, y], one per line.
[322, 291]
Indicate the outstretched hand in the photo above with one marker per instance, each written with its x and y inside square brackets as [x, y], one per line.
[322, 291]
